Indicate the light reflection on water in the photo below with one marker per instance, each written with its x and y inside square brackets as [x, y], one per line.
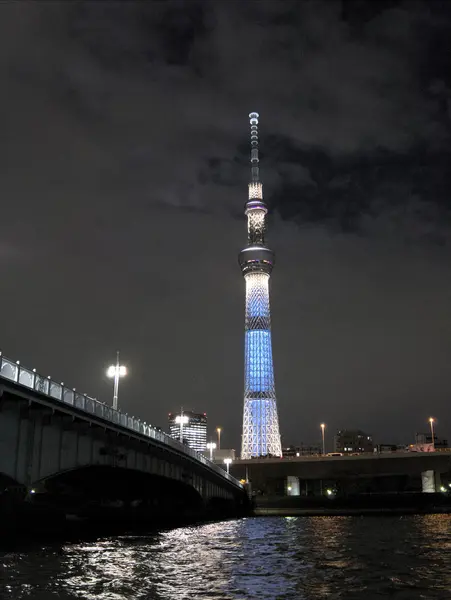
[277, 558]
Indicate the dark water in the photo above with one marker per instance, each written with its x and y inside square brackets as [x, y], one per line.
[266, 558]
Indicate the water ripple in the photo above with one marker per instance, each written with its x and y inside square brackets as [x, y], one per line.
[314, 558]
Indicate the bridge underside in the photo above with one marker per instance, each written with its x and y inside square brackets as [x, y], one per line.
[104, 491]
[117, 484]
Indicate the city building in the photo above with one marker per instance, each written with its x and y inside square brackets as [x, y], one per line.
[222, 453]
[261, 435]
[302, 450]
[426, 438]
[189, 427]
[389, 448]
[349, 441]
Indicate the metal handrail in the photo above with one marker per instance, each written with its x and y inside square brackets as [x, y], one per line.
[13, 371]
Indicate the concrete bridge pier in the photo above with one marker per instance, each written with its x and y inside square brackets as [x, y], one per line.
[430, 481]
[292, 486]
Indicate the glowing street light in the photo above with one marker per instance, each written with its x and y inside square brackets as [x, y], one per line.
[181, 419]
[211, 446]
[116, 371]
[218, 431]
[323, 427]
[227, 462]
[431, 422]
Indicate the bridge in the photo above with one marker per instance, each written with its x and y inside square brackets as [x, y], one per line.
[311, 475]
[58, 443]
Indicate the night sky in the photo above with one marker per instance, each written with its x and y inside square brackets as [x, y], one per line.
[123, 177]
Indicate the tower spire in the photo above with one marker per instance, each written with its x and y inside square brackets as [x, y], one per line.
[253, 120]
[260, 420]
[255, 207]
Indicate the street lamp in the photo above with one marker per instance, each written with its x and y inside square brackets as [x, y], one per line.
[227, 462]
[181, 419]
[323, 427]
[116, 371]
[211, 446]
[218, 430]
[431, 421]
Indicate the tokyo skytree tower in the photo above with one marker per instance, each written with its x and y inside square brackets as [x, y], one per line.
[260, 421]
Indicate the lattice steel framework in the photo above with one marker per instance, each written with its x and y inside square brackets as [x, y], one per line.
[261, 435]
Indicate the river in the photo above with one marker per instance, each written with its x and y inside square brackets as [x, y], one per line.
[280, 558]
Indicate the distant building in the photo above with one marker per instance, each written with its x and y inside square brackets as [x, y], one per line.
[193, 429]
[426, 438]
[220, 455]
[356, 441]
[388, 448]
[302, 450]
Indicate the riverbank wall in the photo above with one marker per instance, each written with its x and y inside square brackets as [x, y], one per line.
[359, 505]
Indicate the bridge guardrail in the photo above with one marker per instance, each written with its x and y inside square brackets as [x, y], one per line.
[13, 371]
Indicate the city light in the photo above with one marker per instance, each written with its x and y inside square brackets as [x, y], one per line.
[329, 492]
[116, 371]
[227, 462]
[181, 419]
[431, 422]
[323, 427]
[218, 431]
[113, 369]
[211, 446]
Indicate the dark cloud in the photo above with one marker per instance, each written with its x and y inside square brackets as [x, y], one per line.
[123, 174]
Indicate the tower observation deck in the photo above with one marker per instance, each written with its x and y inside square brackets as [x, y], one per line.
[261, 435]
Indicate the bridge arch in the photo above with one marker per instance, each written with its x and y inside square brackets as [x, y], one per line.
[105, 489]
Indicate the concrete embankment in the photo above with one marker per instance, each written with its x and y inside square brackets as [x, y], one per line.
[371, 504]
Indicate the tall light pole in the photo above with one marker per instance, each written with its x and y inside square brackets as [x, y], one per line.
[211, 446]
[227, 462]
[181, 419]
[431, 421]
[116, 371]
[323, 427]
[218, 431]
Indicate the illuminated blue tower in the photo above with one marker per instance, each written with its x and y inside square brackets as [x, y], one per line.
[260, 421]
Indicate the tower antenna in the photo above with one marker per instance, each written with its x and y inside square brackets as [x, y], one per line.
[253, 119]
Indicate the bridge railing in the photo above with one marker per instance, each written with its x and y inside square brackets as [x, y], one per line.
[29, 378]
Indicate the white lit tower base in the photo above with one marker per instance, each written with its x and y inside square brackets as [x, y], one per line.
[261, 435]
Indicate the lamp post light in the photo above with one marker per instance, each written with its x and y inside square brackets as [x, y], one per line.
[227, 462]
[211, 446]
[323, 427]
[181, 419]
[431, 422]
[218, 431]
[116, 371]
